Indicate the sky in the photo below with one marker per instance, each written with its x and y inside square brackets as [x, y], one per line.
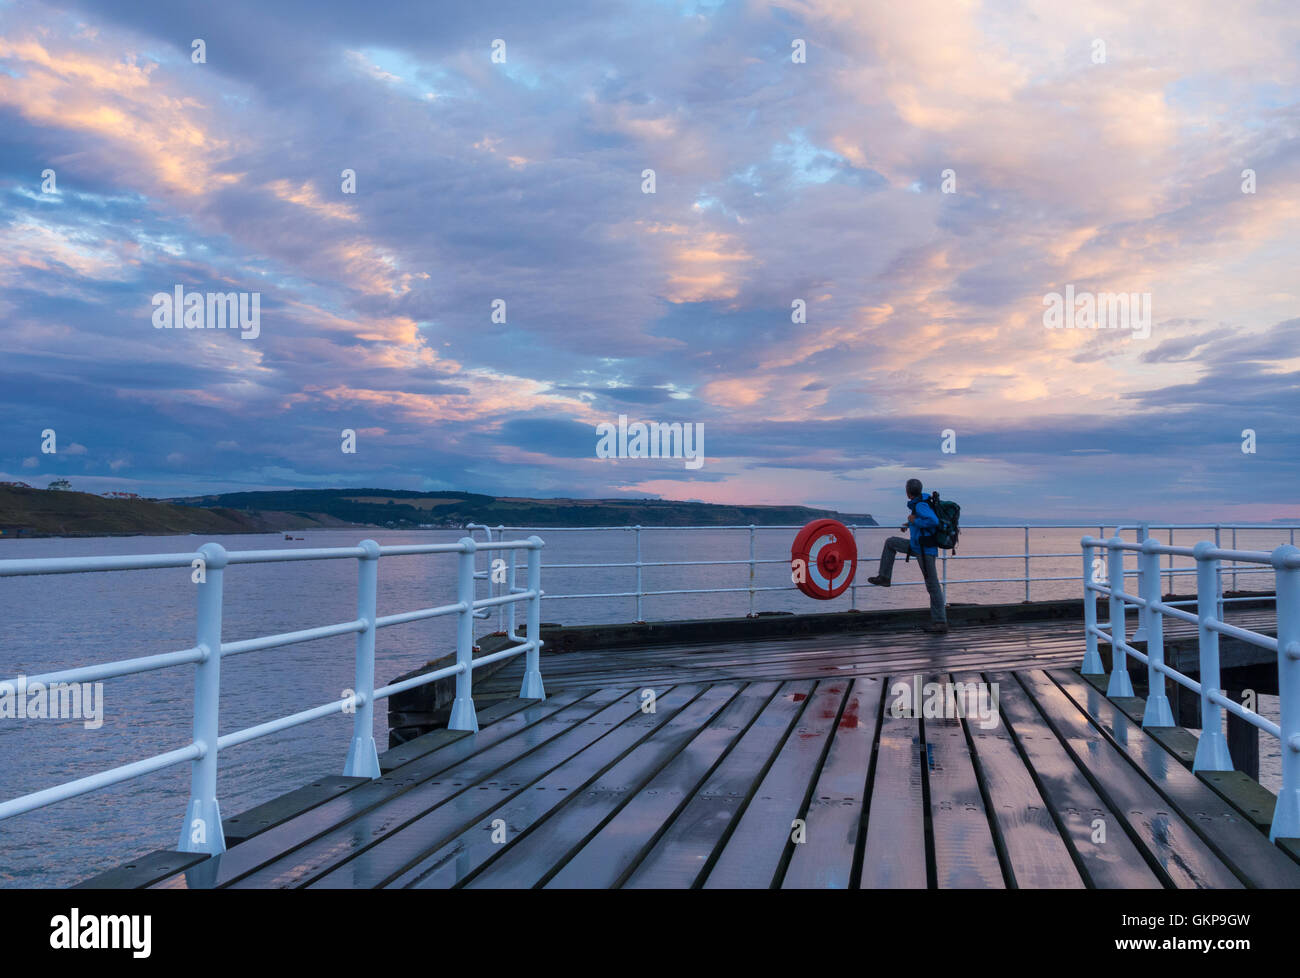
[919, 178]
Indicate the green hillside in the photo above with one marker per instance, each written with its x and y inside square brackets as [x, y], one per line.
[45, 512]
[403, 508]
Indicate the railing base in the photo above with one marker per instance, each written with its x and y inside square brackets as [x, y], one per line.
[202, 829]
[1120, 682]
[1158, 713]
[1212, 754]
[1286, 816]
[363, 759]
[463, 716]
[532, 688]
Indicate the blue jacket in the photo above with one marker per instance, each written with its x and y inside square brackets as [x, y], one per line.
[923, 526]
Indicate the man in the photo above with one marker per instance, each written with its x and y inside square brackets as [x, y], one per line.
[921, 522]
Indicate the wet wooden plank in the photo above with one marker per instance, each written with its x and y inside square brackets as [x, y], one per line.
[847, 665]
[687, 847]
[463, 833]
[1180, 856]
[276, 842]
[1238, 843]
[158, 867]
[461, 857]
[1242, 792]
[142, 871]
[1245, 794]
[965, 856]
[278, 810]
[1177, 740]
[614, 850]
[873, 653]
[896, 852]
[536, 749]
[833, 820]
[417, 747]
[534, 859]
[753, 854]
[886, 651]
[1035, 856]
[1078, 809]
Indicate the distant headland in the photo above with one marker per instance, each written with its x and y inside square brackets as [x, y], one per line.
[63, 512]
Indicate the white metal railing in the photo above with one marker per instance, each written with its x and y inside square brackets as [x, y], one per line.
[750, 565]
[201, 831]
[1212, 752]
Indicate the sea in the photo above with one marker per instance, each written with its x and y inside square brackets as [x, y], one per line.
[61, 621]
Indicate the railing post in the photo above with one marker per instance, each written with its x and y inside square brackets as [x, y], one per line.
[510, 589]
[1026, 562]
[1158, 712]
[1120, 684]
[1286, 816]
[1171, 562]
[1212, 752]
[1143, 534]
[532, 688]
[202, 829]
[463, 716]
[751, 570]
[501, 609]
[1091, 657]
[1218, 576]
[487, 572]
[639, 616]
[363, 757]
[1234, 563]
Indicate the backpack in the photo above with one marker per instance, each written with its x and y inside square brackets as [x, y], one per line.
[949, 516]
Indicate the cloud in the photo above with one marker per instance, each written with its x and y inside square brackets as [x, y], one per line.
[776, 181]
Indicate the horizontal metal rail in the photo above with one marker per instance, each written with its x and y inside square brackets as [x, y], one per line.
[201, 830]
[638, 592]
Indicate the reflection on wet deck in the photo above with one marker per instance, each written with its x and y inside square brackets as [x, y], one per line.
[813, 781]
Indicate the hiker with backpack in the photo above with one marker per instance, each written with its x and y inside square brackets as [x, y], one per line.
[931, 524]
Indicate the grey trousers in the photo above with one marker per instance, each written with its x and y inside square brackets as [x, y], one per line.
[902, 545]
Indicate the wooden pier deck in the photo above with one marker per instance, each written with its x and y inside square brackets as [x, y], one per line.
[749, 742]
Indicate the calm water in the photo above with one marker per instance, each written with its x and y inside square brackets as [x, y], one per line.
[74, 620]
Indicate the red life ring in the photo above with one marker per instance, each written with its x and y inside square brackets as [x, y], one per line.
[829, 557]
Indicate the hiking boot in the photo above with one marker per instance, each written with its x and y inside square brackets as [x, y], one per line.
[878, 581]
[935, 627]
